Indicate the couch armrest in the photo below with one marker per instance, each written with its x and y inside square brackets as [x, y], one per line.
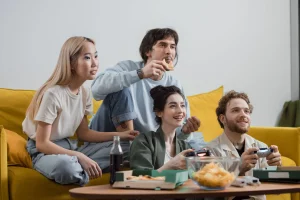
[3, 165]
[287, 140]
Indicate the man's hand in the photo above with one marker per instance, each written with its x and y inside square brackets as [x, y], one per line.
[192, 124]
[129, 135]
[249, 160]
[89, 165]
[155, 68]
[274, 159]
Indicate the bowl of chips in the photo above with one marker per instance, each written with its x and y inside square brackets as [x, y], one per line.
[213, 173]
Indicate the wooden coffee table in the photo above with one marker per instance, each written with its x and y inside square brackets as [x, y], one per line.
[187, 190]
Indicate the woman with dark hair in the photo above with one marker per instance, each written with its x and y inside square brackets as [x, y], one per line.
[162, 150]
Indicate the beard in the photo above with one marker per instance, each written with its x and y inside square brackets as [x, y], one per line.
[234, 127]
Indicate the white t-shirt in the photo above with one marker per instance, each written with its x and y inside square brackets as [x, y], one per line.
[167, 157]
[63, 109]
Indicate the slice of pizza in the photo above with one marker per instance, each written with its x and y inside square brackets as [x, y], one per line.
[159, 178]
[145, 178]
[170, 65]
[132, 178]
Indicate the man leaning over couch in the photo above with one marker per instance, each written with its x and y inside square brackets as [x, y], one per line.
[234, 116]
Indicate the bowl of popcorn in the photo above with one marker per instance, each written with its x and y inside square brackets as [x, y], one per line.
[213, 173]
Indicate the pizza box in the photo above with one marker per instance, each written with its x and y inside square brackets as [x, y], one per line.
[290, 174]
[172, 179]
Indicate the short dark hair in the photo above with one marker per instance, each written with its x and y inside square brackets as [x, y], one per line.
[221, 109]
[151, 38]
[160, 95]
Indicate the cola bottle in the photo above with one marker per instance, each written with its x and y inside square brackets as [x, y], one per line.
[116, 159]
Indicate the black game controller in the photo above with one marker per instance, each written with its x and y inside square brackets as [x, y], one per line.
[263, 152]
[199, 153]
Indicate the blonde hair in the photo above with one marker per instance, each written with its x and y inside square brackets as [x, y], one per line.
[63, 71]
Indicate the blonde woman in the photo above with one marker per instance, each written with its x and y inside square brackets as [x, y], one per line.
[58, 110]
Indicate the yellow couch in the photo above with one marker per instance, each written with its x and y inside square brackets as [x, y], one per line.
[22, 182]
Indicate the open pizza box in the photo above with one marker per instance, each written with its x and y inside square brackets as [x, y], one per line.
[150, 179]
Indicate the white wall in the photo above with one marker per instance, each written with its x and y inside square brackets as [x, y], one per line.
[241, 44]
[295, 75]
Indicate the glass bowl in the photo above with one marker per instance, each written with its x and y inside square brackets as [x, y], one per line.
[213, 173]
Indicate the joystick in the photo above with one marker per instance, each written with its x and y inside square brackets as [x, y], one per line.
[200, 153]
[263, 152]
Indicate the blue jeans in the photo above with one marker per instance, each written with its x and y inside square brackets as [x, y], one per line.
[116, 108]
[65, 169]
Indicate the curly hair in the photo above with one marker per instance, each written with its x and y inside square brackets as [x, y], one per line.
[221, 109]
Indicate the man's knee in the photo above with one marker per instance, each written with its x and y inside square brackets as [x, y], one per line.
[125, 125]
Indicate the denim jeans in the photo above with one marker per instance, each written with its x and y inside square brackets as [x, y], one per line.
[65, 169]
[116, 108]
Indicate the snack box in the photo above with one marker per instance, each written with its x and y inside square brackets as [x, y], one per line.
[278, 174]
[167, 179]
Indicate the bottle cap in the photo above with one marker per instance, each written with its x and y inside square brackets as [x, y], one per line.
[116, 137]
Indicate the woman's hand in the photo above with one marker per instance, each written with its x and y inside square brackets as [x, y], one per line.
[129, 135]
[89, 165]
[192, 124]
[178, 162]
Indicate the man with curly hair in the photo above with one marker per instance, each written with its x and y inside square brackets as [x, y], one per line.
[234, 116]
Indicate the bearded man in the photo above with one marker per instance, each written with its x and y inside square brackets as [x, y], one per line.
[234, 116]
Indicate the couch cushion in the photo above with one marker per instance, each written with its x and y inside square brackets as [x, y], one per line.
[28, 184]
[287, 161]
[96, 106]
[16, 150]
[204, 107]
[13, 106]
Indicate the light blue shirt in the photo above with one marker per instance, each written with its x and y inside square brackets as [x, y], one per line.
[124, 75]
